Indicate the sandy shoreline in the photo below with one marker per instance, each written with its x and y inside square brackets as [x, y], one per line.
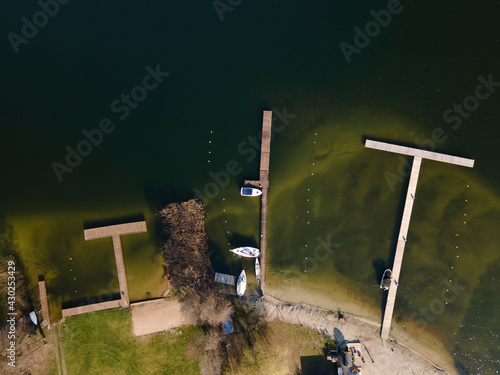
[389, 357]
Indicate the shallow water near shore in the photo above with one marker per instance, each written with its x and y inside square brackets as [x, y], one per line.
[334, 206]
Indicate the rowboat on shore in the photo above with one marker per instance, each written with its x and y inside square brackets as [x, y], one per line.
[246, 251]
[385, 283]
[257, 269]
[241, 284]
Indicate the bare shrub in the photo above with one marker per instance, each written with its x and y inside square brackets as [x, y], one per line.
[186, 251]
[213, 358]
[188, 268]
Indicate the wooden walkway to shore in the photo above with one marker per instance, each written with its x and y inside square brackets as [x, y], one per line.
[263, 184]
[115, 231]
[223, 278]
[42, 288]
[418, 155]
[91, 308]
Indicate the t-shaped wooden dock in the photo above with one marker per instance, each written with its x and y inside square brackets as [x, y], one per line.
[115, 231]
[418, 155]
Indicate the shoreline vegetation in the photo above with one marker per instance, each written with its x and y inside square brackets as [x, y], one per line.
[390, 357]
[270, 336]
[191, 276]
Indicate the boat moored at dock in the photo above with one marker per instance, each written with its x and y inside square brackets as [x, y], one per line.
[246, 251]
[385, 283]
[257, 269]
[241, 285]
[250, 192]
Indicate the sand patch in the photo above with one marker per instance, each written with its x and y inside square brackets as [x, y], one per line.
[157, 316]
[388, 358]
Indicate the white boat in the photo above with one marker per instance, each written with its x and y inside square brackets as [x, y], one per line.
[385, 283]
[250, 192]
[246, 251]
[257, 269]
[241, 285]
[33, 318]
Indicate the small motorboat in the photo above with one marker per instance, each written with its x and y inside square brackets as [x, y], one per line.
[250, 192]
[241, 284]
[246, 251]
[33, 318]
[257, 269]
[385, 283]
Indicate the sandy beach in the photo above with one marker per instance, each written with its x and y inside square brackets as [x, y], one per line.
[388, 357]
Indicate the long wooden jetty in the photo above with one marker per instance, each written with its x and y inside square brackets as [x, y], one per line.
[115, 231]
[91, 308]
[418, 155]
[263, 183]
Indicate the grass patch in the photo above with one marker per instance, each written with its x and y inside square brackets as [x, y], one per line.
[103, 343]
[285, 349]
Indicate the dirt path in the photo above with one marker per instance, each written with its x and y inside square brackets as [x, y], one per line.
[56, 349]
[59, 348]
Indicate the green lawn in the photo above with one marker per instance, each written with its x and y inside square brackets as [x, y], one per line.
[102, 343]
[285, 349]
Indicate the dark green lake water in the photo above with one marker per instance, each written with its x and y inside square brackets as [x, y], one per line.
[324, 184]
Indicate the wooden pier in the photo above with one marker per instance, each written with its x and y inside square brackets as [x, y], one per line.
[115, 231]
[265, 151]
[263, 184]
[91, 308]
[222, 278]
[42, 288]
[418, 155]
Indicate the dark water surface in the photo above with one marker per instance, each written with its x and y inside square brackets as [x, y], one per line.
[283, 56]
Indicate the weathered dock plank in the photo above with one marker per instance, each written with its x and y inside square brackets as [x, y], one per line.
[42, 288]
[115, 230]
[265, 151]
[253, 183]
[120, 270]
[90, 308]
[223, 278]
[410, 151]
[400, 247]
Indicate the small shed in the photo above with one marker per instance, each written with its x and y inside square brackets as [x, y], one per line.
[227, 326]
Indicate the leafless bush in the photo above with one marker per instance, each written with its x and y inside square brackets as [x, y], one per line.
[188, 268]
[213, 359]
[186, 251]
